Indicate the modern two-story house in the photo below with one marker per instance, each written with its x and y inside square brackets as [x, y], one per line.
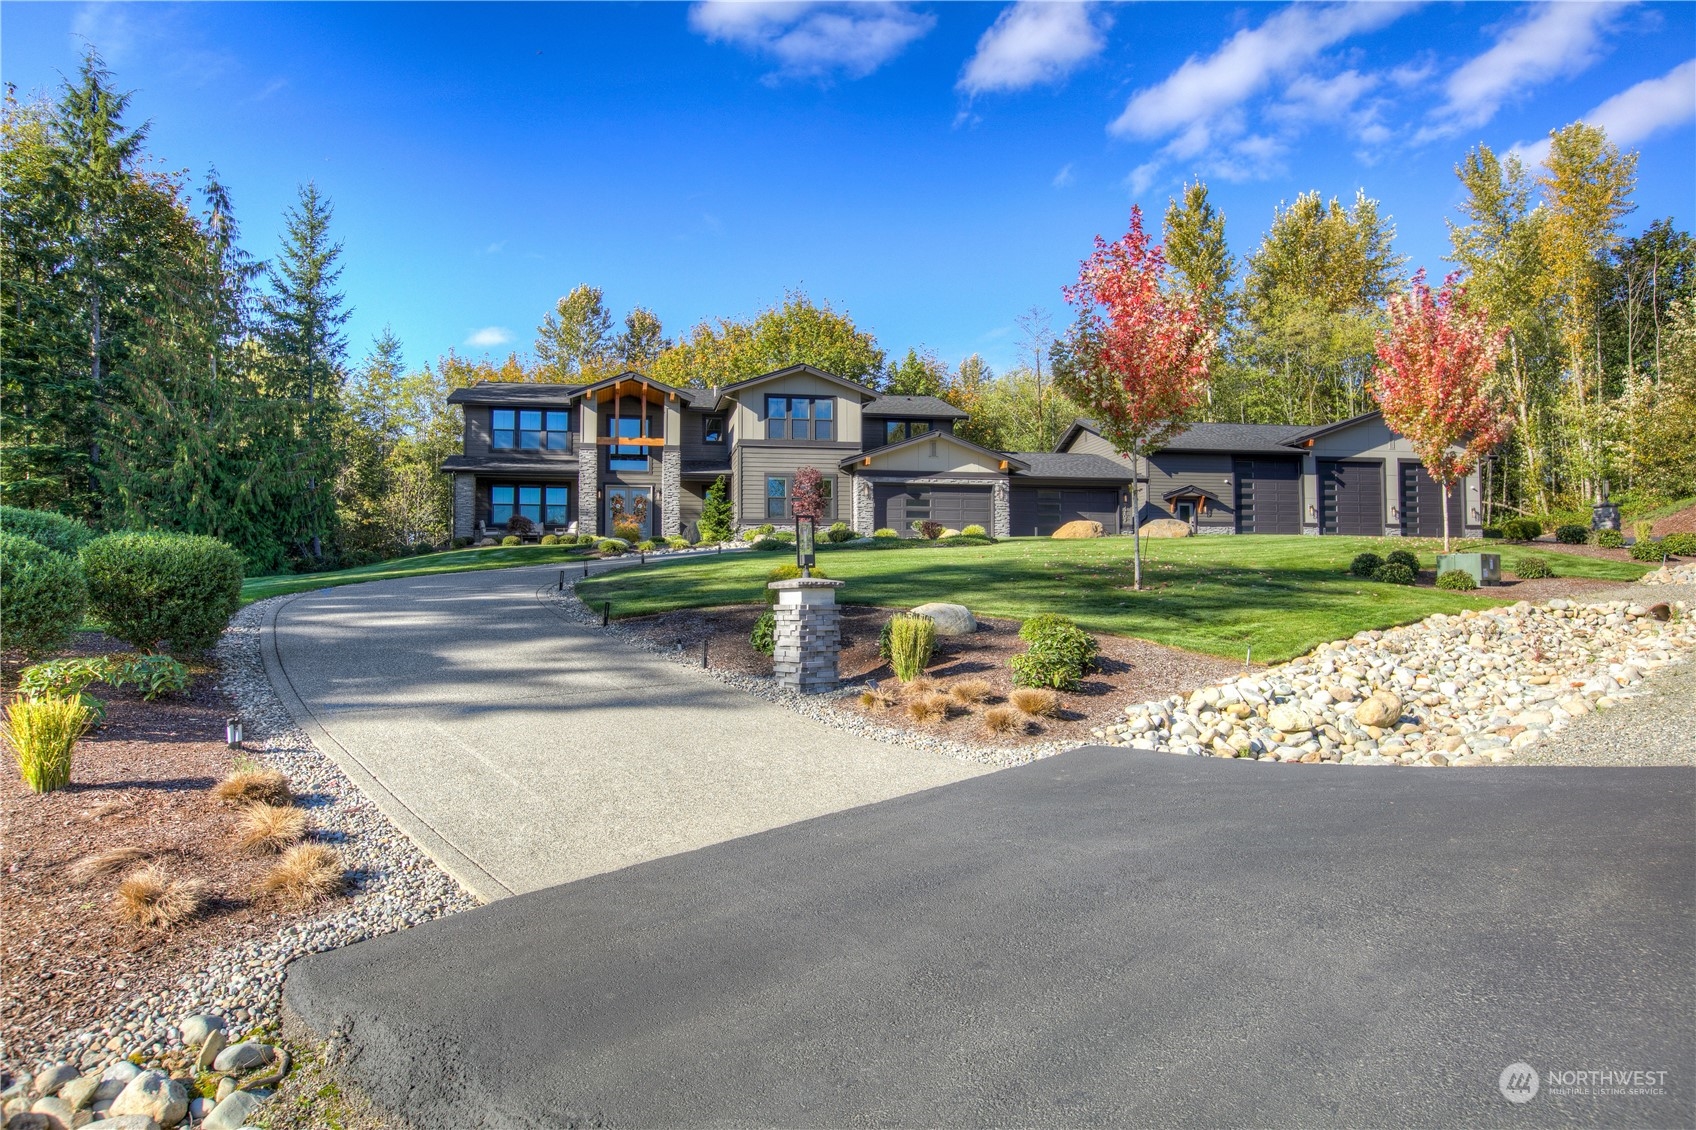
[631, 450]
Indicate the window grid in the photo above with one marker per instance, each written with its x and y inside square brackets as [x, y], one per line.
[513, 429]
[808, 419]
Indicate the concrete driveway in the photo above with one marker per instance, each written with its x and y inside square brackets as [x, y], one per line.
[522, 750]
[1103, 938]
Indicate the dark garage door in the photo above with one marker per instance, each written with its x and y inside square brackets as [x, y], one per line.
[1268, 496]
[1422, 503]
[1351, 498]
[1042, 510]
[897, 507]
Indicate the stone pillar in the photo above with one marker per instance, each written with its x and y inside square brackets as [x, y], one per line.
[1001, 509]
[865, 511]
[671, 491]
[809, 636]
[464, 505]
[588, 488]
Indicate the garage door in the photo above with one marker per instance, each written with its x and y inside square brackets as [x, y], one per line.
[897, 507]
[1268, 496]
[1422, 503]
[1351, 498]
[1040, 511]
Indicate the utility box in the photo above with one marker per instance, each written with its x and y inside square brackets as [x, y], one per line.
[1484, 568]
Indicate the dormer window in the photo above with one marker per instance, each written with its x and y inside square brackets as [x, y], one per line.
[894, 431]
[527, 429]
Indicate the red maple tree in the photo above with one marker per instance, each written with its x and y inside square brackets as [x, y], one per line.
[1137, 356]
[1432, 381]
[806, 494]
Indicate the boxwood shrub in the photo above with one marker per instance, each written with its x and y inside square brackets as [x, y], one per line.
[1393, 573]
[1522, 529]
[1405, 558]
[43, 527]
[42, 595]
[1459, 580]
[1365, 565]
[1610, 539]
[512, 539]
[154, 588]
[839, 531]
[1572, 535]
[771, 545]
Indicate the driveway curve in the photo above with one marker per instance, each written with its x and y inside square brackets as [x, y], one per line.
[522, 750]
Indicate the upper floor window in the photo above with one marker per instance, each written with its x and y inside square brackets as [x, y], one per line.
[801, 417]
[712, 429]
[530, 429]
[894, 431]
[628, 456]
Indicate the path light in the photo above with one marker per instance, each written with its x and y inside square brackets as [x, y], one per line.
[232, 732]
[804, 530]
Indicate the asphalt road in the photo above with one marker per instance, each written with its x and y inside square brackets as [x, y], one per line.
[1104, 938]
[521, 750]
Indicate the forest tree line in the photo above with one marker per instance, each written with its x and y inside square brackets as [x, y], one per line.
[158, 376]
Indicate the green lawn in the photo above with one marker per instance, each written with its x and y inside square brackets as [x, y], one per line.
[1282, 595]
[453, 561]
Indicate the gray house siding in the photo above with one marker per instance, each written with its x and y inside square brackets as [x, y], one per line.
[1168, 470]
[1088, 443]
[754, 463]
[694, 448]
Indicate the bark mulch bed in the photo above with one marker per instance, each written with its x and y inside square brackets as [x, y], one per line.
[143, 779]
[1131, 670]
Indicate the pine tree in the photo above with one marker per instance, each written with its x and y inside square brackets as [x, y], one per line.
[717, 513]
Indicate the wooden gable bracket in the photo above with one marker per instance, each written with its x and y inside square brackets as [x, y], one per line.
[1002, 465]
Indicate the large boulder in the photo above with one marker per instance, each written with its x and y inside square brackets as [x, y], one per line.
[156, 1095]
[1081, 529]
[1165, 528]
[950, 619]
[1382, 709]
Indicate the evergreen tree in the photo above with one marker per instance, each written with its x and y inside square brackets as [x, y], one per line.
[717, 512]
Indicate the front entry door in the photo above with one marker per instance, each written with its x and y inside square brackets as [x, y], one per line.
[631, 506]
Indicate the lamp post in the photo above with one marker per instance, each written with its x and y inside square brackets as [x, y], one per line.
[805, 528]
[232, 732]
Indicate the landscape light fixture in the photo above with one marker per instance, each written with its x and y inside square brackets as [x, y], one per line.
[805, 527]
[232, 732]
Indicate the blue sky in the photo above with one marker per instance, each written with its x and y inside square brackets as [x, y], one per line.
[934, 169]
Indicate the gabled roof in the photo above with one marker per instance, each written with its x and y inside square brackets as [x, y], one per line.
[1190, 491]
[629, 375]
[922, 406]
[1072, 465]
[1014, 462]
[1237, 439]
[514, 392]
[791, 370]
[1305, 434]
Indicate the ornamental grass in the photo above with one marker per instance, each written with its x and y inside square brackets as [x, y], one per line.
[43, 733]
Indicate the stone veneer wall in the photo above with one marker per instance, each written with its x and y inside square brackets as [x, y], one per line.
[808, 643]
[671, 492]
[464, 505]
[1001, 510]
[863, 508]
[588, 488]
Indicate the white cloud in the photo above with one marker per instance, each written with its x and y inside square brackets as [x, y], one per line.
[1554, 41]
[488, 337]
[1142, 178]
[813, 40]
[1633, 114]
[1064, 178]
[1034, 42]
[1197, 94]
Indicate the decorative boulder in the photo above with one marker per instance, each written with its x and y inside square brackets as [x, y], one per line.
[156, 1095]
[1381, 709]
[950, 619]
[1165, 528]
[1289, 720]
[1081, 529]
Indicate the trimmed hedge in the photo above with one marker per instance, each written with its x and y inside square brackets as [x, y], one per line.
[1365, 565]
[153, 588]
[1405, 558]
[1457, 580]
[42, 595]
[1572, 535]
[1393, 573]
[45, 528]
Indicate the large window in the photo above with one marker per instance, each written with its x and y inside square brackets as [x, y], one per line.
[546, 504]
[712, 429]
[530, 429]
[628, 456]
[894, 431]
[779, 488]
[806, 418]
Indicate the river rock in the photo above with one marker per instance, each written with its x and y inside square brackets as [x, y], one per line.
[950, 619]
[194, 1029]
[215, 1043]
[114, 1079]
[1289, 720]
[243, 1056]
[49, 1081]
[124, 1122]
[156, 1095]
[1380, 709]
[58, 1111]
[79, 1092]
[233, 1112]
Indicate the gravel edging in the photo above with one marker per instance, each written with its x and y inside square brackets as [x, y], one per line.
[393, 884]
[820, 708]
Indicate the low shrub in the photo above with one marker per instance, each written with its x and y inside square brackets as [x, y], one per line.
[512, 539]
[520, 525]
[1572, 535]
[965, 539]
[839, 531]
[975, 531]
[43, 596]
[153, 588]
[676, 542]
[550, 539]
[969, 692]
[1042, 624]
[1643, 549]
[787, 537]
[1036, 702]
[43, 734]
[763, 638]
[254, 786]
[1059, 655]
[928, 529]
[751, 535]
[149, 897]
[647, 545]
[912, 642]
[1393, 573]
[306, 874]
[1522, 529]
[1365, 565]
[1457, 580]
[1679, 545]
[1531, 568]
[462, 543]
[1404, 557]
[1492, 533]
[771, 545]
[606, 547]
[627, 531]
[46, 529]
[885, 532]
[587, 539]
[271, 828]
[788, 572]
[1000, 721]
[154, 674]
[63, 677]
[1610, 539]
